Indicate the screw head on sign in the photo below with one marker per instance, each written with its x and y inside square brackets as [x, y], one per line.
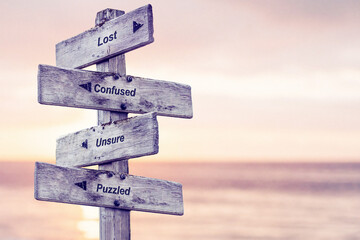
[122, 176]
[129, 78]
[123, 106]
[116, 76]
[116, 203]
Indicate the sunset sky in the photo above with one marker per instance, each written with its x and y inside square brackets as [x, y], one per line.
[271, 80]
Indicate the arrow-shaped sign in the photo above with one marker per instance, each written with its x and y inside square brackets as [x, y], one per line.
[107, 189]
[108, 91]
[122, 34]
[124, 139]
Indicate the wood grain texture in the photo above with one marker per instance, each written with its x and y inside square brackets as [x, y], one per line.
[114, 223]
[123, 139]
[106, 15]
[109, 91]
[92, 47]
[107, 189]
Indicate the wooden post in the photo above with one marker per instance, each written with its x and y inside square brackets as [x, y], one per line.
[114, 224]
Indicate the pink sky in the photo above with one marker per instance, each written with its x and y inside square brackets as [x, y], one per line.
[271, 80]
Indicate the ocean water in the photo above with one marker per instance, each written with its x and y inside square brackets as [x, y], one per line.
[221, 200]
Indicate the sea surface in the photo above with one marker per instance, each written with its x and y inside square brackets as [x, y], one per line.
[317, 201]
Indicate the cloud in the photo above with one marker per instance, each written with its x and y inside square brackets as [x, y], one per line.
[281, 68]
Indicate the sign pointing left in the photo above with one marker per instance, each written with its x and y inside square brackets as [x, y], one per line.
[119, 140]
[107, 189]
[111, 92]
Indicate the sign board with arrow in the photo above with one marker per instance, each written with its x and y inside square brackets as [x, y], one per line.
[107, 189]
[109, 91]
[122, 34]
[123, 139]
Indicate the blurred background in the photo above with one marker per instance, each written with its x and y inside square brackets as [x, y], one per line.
[272, 151]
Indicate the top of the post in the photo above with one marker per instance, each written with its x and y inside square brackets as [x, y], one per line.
[106, 15]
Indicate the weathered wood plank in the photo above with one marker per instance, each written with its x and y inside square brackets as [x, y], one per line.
[109, 91]
[107, 189]
[123, 139]
[117, 36]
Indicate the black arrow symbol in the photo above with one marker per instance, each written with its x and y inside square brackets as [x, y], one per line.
[136, 26]
[81, 185]
[85, 144]
[86, 86]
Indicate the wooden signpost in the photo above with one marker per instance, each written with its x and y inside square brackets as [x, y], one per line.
[116, 138]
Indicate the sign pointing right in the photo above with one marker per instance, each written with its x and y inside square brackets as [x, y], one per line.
[118, 36]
